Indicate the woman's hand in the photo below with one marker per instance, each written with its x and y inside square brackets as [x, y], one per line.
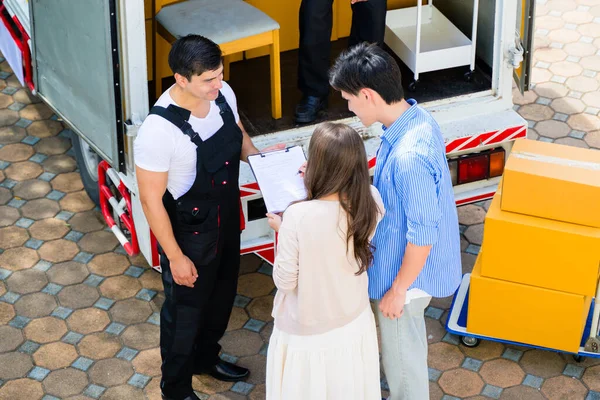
[274, 221]
[302, 169]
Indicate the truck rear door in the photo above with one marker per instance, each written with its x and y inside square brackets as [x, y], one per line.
[77, 70]
[525, 30]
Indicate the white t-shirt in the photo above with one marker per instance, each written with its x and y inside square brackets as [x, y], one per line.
[160, 146]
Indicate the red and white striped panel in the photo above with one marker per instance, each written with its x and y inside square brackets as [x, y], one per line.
[249, 189]
[485, 139]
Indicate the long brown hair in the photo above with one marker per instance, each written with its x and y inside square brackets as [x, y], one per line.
[337, 163]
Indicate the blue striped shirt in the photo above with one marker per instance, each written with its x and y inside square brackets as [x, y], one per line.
[413, 178]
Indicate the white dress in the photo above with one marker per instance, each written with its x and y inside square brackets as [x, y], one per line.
[342, 364]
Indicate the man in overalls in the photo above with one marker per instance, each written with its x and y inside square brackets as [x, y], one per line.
[187, 156]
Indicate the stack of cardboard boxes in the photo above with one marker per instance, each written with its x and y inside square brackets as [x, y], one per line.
[538, 269]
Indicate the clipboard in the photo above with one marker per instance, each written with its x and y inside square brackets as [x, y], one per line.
[277, 175]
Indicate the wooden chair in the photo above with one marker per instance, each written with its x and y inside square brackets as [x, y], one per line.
[234, 25]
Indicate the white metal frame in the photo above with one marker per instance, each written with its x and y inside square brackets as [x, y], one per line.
[442, 45]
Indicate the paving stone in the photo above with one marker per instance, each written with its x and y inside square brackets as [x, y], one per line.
[55, 355]
[593, 139]
[58, 251]
[40, 209]
[521, 393]
[535, 112]
[98, 242]
[77, 202]
[59, 164]
[141, 337]
[502, 373]
[260, 392]
[104, 303]
[260, 308]
[563, 387]
[582, 84]
[255, 285]
[14, 365]
[88, 320]
[115, 328]
[66, 382]
[83, 257]
[68, 273]
[209, 385]
[69, 182]
[567, 105]
[148, 362]
[19, 322]
[8, 117]
[36, 112]
[35, 305]
[593, 395]
[241, 343]
[45, 128]
[8, 216]
[38, 373]
[123, 392]
[544, 364]
[62, 312]
[591, 99]
[99, 346]
[72, 337]
[569, 141]
[120, 287]
[27, 281]
[5, 194]
[591, 63]
[528, 98]
[257, 364]
[591, 378]
[18, 258]
[471, 214]
[23, 171]
[474, 234]
[566, 69]
[130, 311]
[45, 330]
[110, 372]
[539, 75]
[550, 55]
[461, 383]
[11, 339]
[49, 229]
[7, 312]
[15, 152]
[584, 122]
[88, 221]
[580, 49]
[26, 388]
[435, 330]
[13, 236]
[486, 350]
[94, 391]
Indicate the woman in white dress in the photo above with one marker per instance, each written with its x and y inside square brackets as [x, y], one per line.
[324, 342]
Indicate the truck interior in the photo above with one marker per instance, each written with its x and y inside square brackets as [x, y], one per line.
[250, 74]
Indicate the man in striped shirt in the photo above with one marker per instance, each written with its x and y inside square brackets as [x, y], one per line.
[418, 242]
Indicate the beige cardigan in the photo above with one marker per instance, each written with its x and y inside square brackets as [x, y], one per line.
[317, 287]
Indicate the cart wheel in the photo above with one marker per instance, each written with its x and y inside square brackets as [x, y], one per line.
[578, 358]
[413, 86]
[470, 341]
[468, 76]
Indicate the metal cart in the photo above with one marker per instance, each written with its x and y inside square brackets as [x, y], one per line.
[425, 40]
[457, 324]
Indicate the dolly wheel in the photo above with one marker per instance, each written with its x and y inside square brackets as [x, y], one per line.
[413, 86]
[470, 341]
[578, 358]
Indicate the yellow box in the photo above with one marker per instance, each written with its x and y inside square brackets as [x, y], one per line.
[526, 314]
[553, 181]
[540, 252]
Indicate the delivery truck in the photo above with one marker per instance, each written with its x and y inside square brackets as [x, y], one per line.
[90, 61]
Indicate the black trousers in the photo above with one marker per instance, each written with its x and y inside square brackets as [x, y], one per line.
[193, 320]
[316, 22]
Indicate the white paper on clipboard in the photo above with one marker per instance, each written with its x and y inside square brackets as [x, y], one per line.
[277, 175]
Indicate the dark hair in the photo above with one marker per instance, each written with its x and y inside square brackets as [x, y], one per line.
[337, 163]
[367, 66]
[193, 55]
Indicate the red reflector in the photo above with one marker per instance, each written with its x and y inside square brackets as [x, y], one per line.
[473, 169]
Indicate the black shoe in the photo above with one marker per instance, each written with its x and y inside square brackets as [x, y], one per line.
[190, 397]
[226, 371]
[308, 108]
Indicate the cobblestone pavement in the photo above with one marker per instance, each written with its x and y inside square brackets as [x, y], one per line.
[79, 319]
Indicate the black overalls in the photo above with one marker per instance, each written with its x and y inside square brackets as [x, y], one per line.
[206, 224]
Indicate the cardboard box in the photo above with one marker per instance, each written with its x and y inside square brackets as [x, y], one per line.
[553, 181]
[540, 252]
[526, 314]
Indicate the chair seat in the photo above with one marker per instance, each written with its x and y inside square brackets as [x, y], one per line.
[221, 21]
